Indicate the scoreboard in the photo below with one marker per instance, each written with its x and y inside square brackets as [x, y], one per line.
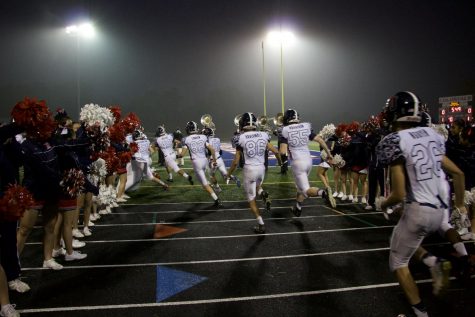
[456, 107]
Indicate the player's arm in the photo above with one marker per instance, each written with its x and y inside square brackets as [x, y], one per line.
[323, 145]
[398, 185]
[183, 152]
[235, 161]
[212, 151]
[274, 150]
[458, 179]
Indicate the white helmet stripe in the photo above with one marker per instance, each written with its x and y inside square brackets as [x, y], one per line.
[416, 103]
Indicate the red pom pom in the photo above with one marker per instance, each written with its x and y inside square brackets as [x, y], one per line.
[35, 117]
[134, 148]
[117, 133]
[73, 182]
[131, 122]
[14, 203]
[116, 112]
[112, 161]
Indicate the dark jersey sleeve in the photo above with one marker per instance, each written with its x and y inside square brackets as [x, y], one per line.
[312, 135]
[389, 150]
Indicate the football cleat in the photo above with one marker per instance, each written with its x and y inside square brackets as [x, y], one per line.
[260, 229]
[296, 211]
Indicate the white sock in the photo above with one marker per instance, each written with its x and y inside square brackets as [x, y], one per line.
[259, 192]
[170, 176]
[214, 196]
[429, 260]
[460, 248]
[260, 221]
[185, 175]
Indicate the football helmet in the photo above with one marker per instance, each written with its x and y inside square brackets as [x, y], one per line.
[138, 135]
[208, 132]
[404, 107]
[291, 116]
[160, 130]
[191, 127]
[248, 121]
[426, 120]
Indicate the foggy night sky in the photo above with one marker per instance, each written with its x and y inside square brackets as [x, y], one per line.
[172, 61]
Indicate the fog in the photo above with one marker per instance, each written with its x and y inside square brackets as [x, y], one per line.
[173, 61]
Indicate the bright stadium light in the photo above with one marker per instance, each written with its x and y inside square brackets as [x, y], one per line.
[86, 30]
[281, 38]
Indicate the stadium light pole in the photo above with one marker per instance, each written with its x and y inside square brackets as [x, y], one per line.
[281, 38]
[83, 30]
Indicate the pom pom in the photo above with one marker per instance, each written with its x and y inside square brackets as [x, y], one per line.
[117, 133]
[345, 140]
[116, 112]
[327, 131]
[338, 161]
[14, 203]
[134, 148]
[35, 117]
[73, 182]
[340, 129]
[97, 171]
[107, 195]
[130, 123]
[95, 115]
[353, 127]
[111, 159]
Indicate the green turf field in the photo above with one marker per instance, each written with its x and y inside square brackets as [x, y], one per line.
[278, 186]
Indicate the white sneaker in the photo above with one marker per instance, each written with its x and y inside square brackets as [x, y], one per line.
[78, 244]
[355, 200]
[108, 210]
[344, 197]
[114, 204]
[58, 252]
[368, 207]
[121, 200]
[87, 232]
[94, 217]
[103, 212]
[335, 194]
[363, 200]
[350, 197]
[77, 233]
[52, 264]
[75, 255]
[9, 311]
[340, 195]
[18, 285]
[90, 224]
[126, 196]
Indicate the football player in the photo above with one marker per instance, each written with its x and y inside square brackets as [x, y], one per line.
[196, 144]
[165, 142]
[294, 140]
[215, 142]
[416, 156]
[252, 145]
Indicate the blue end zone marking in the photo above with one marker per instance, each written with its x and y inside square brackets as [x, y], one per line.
[171, 282]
